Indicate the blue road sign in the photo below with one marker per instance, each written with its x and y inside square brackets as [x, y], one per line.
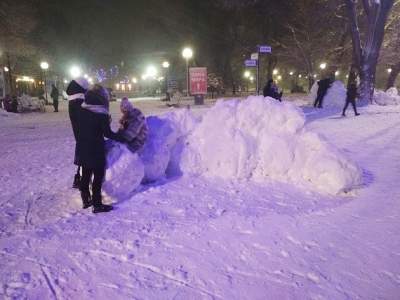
[250, 63]
[265, 49]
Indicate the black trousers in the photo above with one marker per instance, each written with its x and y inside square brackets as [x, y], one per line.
[319, 99]
[98, 177]
[353, 103]
[55, 104]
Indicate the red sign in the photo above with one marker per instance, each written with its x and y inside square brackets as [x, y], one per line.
[198, 81]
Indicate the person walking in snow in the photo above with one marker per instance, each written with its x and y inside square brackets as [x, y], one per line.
[323, 86]
[133, 127]
[271, 90]
[54, 95]
[351, 99]
[94, 125]
[76, 90]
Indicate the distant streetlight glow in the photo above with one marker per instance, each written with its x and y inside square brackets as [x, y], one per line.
[389, 70]
[291, 73]
[300, 76]
[44, 65]
[187, 53]
[165, 64]
[315, 75]
[275, 72]
[75, 71]
[6, 69]
[337, 73]
[86, 76]
[323, 66]
[134, 79]
[247, 74]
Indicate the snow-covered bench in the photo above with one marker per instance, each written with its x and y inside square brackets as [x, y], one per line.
[27, 103]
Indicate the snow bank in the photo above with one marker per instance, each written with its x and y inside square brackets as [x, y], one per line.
[261, 138]
[256, 139]
[124, 171]
[334, 98]
[4, 113]
[390, 97]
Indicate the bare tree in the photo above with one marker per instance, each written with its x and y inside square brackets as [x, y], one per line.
[367, 43]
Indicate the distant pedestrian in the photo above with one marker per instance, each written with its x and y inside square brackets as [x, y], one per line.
[271, 90]
[94, 125]
[76, 90]
[54, 95]
[351, 99]
[133, 126]
[323, 86]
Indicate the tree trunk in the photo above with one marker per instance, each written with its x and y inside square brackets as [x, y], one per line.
[10, 76]
[367, 83]
[393, 76]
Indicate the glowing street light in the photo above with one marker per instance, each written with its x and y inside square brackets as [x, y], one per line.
[275, 72]
[165, 64]
[151, 71]
[134, 79]
[300, 76]
[337, 73]
[6, 69]
[86, 76]
[45, 66]
[187, 54]
[279, 77]
[323, 66]
[389, 70]
[247, 74]
[75, 71]
[291, 73]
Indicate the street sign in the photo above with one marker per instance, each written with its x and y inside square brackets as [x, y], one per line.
[198, 81]
[250, 63]
[254, 56]
[265, 49]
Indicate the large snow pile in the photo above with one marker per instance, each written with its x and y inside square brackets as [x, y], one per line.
[261, 138]
[255, 139]
[124, 171]
[390, 97]
[334, 98]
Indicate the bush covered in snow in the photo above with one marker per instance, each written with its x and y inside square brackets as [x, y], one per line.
[334, 98]
[390, 97]
[255, 139]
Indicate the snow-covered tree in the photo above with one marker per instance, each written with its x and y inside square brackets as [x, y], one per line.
[367, 39]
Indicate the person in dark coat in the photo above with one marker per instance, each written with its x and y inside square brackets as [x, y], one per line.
[351, 99]
[94, 125]
[76, 90]
[271, 90]
[323, 86]
[54, 95]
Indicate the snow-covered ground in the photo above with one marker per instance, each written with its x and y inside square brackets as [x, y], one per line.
[195, 238]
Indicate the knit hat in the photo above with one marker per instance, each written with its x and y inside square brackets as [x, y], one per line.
[96, 100]
[126, 105]
[77, 86]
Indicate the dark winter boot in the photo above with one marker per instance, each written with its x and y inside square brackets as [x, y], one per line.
[77, 179]
[86, 200]
[98, 206]
[102, 208]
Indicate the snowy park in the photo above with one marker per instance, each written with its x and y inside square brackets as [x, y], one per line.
[309, 211]
[200, 150]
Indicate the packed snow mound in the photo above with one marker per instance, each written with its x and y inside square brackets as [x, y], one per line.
[4, 113]
[165, 137]
[255, 139]
[390, 97]
[334, 98]
[261, 138]
[124, 171]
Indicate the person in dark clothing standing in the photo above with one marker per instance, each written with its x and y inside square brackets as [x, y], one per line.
[271, 90]
[323, 86]
[351, 99]
[54, 95]
[94, 123]
[76, 90]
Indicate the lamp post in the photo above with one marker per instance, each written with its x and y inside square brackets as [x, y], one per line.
[165, 65]
[187, 54]
[45, 66]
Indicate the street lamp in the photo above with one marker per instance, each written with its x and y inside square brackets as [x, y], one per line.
[275, 72]
[187, 54]
[75, 72]
[389, 70]
[165, 65]
[337, 73]
[6, 69]
[323, 66]
[45, 66]
[247, 74]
